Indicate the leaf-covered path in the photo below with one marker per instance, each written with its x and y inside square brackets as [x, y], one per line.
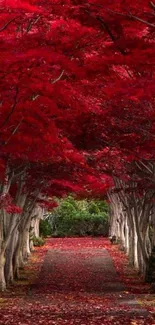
[84, 270]
[79, 282]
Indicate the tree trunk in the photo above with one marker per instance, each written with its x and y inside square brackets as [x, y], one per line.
[126, 236]
[26, 245]
[18, 258]
[2, 276]
[135, 245]
[9, 273]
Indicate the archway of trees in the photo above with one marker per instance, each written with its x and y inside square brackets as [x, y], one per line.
[77, 116]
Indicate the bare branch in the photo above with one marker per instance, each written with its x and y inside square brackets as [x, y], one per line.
[128, 72]
[8, 23]
[57, 79]
[106, 27]
[130, 15]
[32, 23]
[141, 20]
[152, 5]
[146, 167]
[14, 131]
[117, 13]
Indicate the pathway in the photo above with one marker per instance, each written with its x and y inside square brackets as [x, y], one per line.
[77, 284]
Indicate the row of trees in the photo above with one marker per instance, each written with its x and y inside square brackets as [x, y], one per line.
[133, 222]
[77, 115]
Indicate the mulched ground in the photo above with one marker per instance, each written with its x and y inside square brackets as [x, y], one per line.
[78, 281]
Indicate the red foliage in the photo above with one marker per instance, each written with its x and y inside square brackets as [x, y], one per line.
[7, 205]
[77, 90]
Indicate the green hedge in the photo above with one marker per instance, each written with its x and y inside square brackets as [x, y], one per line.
[79, 218]
[45, 228]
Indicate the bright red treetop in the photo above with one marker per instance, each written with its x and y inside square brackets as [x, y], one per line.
[77, 82]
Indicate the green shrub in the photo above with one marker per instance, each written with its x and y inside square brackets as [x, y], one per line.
[80, 218]
[45, 228]
[38, 241]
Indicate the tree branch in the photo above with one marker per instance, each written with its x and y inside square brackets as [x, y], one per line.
[12, 109]
[106, 27]
[146, 167]
[8, 23]
[14, 131]
[152, 5]
[32, 23]
[130, 15]
[141, 20]
[57, 79]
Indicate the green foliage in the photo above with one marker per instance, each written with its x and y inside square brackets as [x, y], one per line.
[38, 241]
[93, 208]
[79, 218]
[45, 228]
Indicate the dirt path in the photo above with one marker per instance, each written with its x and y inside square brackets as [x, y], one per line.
[77, 284]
